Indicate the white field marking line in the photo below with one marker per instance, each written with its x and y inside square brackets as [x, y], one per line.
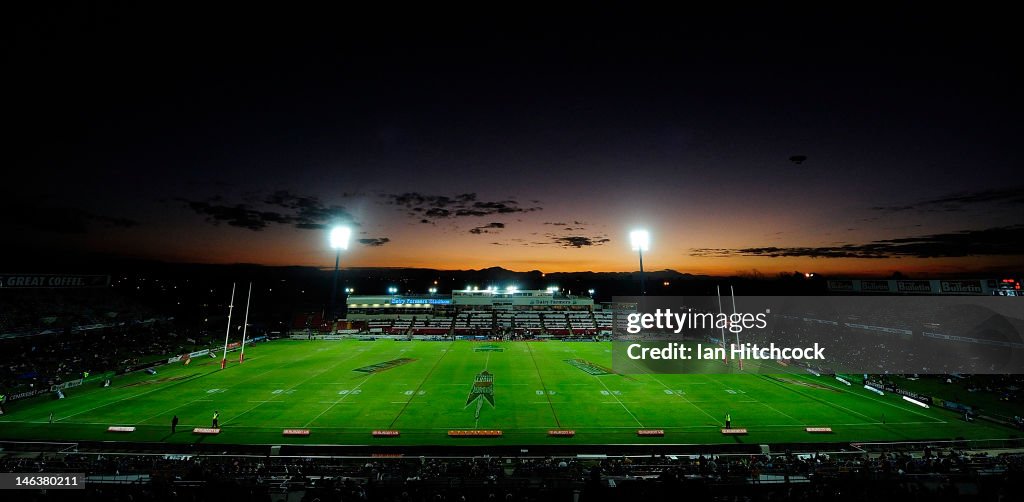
[874, 398]
[329, 408]
[776, 410]
[770, 407]
[161, 388]
[683, 397]
[420, 385]
[575, 355]
[233, 384]
[335, 365]
[829, 403]
[870, 398]
[619, 401]
[113, 403]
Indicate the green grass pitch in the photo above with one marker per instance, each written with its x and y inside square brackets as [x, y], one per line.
[318, 385]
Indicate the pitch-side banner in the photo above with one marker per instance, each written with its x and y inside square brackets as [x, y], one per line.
[53, 281]
[829, 335]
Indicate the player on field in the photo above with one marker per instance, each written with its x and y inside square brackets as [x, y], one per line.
[216, 418]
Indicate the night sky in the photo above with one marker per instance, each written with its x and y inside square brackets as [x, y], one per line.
[518, 139]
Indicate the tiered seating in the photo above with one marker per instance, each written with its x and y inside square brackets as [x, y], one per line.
[603, 320]
[435, 326]
[528, 321]
[582, 323]
[400, 326]
[474, 321]
[506, 320]
[379, 324]
[555, 323]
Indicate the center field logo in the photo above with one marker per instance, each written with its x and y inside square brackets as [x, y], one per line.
[483, 386]
[488, 348]
[589, 367]
[384, 366]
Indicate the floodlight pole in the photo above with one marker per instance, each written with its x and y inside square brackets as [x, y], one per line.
[643, 280]
[245, 327]
[227, 332]
[334, 289]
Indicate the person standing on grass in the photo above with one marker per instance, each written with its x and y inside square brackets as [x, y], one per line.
[216, 418]
[51, 417]
[728, 420]
[174, 423]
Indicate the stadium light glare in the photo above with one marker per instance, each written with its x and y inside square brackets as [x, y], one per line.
[640, 240]
[591, 291]
[339, 237]
[510, 289]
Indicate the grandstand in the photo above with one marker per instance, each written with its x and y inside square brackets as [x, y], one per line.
[533, 313]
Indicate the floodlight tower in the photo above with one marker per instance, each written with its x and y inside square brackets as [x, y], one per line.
[640, 240]
[338, 238]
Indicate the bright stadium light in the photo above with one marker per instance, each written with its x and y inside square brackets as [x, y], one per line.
[591, 291]
[640, 240]
[392, 289]
[510, 289]
[338, 239]
[432, 290]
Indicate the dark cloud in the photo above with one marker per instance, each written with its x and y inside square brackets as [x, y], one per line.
[1001, 241]
[961, 200]
[439, 207]
[309, 212]
[303, 212]
[486, 229]
[374, 242]
[578, 241]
